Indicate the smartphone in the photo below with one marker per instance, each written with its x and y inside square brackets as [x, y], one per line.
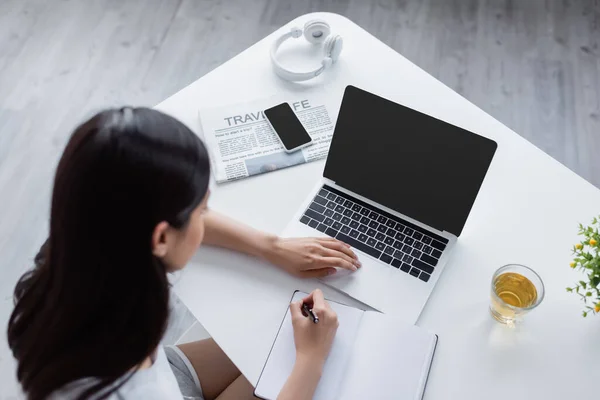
[288, 127]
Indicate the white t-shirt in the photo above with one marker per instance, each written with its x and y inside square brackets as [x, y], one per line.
[154, 383]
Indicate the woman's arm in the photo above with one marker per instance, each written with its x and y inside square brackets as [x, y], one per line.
[225, 232]
[302, 382]
[313, 343]
[305, 257]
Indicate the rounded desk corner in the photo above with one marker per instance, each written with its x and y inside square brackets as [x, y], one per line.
[323, 15]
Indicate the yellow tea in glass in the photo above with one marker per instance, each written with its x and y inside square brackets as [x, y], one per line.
[516, 290]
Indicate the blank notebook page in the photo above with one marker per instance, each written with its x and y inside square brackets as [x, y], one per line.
[390, 360]
[283, 354]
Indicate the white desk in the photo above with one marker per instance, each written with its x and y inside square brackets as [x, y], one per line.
[526, 212]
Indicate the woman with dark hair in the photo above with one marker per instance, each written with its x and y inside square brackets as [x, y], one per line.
[129, 205]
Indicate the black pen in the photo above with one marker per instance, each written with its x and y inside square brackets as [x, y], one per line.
[309, 312]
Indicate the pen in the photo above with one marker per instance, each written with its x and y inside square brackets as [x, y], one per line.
[309, 312]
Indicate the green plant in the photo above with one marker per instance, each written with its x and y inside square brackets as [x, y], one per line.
[587, 259]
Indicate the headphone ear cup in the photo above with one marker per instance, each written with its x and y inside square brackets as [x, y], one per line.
[333, 47]
[316, 31]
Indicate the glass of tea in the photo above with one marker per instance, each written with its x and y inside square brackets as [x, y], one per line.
[516, 290]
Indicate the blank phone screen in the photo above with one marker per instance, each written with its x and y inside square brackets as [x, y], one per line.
[287, 126]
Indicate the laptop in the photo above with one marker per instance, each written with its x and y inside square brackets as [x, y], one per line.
[398, 186]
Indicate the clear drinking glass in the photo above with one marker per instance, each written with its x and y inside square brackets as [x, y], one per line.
[516, 290]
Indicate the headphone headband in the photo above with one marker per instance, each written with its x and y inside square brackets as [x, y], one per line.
[332, 49]
[285, 73]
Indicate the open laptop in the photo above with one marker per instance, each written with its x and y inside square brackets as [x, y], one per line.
[398, 186]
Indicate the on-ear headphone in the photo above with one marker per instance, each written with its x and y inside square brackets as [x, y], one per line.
[316, 32]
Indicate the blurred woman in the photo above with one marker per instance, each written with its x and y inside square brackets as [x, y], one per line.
[129, 205]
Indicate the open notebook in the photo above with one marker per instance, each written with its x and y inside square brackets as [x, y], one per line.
[374, 356]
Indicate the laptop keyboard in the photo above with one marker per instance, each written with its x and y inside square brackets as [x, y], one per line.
[397, 242]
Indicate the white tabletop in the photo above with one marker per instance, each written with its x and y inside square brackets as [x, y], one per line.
[526, 212]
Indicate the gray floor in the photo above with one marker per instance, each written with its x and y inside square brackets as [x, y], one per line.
[532, 64]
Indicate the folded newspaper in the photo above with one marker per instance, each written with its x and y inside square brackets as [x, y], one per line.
[242, 143]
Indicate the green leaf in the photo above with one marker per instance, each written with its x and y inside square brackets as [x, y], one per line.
[570, 290]
[584, 314]
[583, 284]
[588, 294]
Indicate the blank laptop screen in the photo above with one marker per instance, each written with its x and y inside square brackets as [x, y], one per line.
[410, 162]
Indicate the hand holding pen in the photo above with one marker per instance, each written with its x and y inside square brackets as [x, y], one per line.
[315, 328]
[308, 312]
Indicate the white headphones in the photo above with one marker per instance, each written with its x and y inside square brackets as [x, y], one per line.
[316, 32]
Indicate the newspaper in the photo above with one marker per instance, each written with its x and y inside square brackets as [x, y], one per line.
[242, 143]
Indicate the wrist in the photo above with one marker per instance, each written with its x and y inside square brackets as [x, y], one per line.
[268, 246]
[310, 363]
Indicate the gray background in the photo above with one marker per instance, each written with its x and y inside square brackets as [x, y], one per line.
[532, 64]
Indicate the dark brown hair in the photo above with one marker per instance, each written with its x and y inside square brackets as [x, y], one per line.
[96, 303]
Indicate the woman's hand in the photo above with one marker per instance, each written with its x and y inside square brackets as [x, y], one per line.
[303, 257]
[313, 341]
[311, 257]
